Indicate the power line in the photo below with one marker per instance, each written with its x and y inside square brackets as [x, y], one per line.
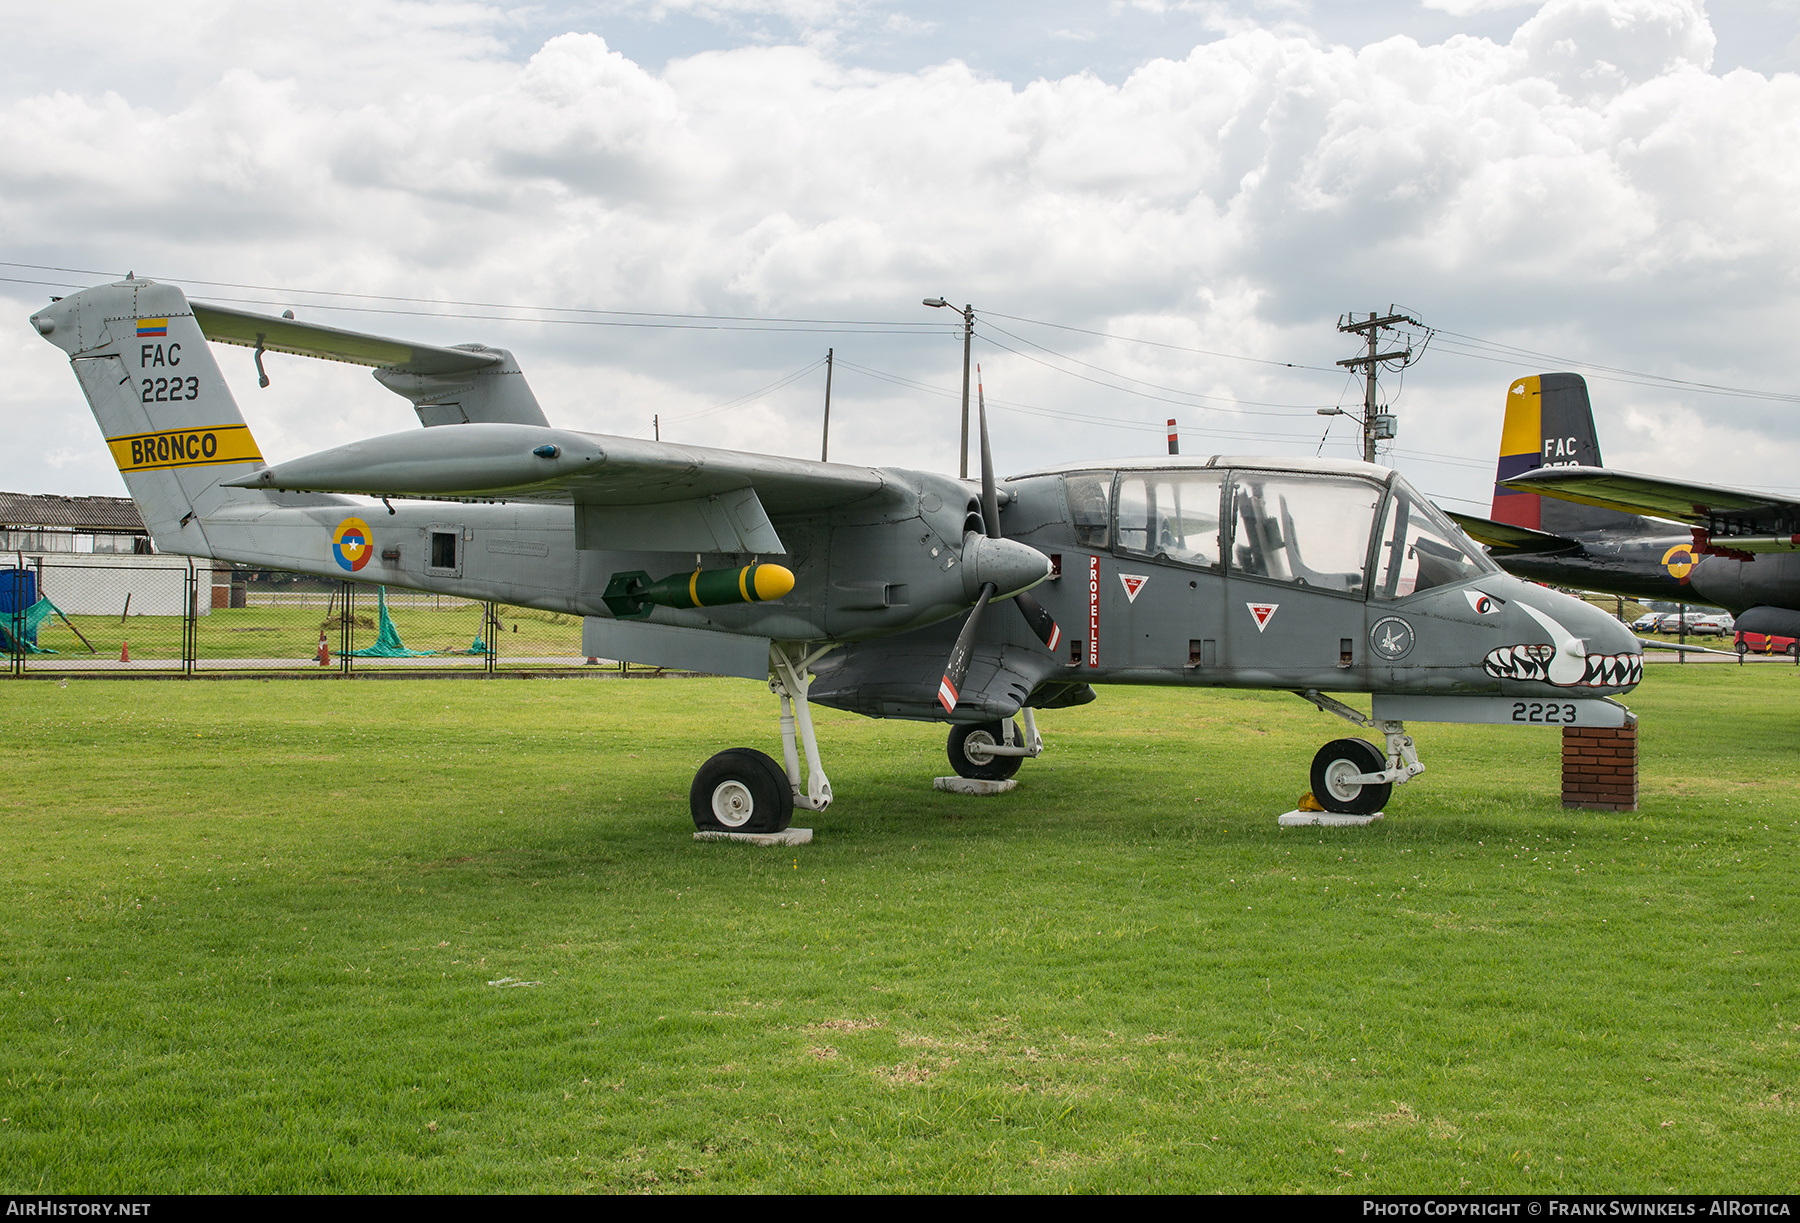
[1507, 354]
[909, 325]
[1028, 409]
[1207, 352]
[743, 400]
[1188, 402]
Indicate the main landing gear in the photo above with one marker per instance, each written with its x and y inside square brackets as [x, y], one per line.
[744, 790]
[992, 751]
[1353, 776]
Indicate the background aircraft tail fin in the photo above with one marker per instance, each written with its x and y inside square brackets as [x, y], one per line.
[1549, 423]
[172, 425]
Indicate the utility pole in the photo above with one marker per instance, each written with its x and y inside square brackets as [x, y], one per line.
[825, 440]
[968, 313]
[656, 427]
[1377, 425]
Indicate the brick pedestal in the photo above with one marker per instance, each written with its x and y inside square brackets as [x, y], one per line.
[1599, 768]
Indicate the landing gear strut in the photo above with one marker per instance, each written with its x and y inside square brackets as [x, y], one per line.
[993, 751]
[744, 790]
[1353, 776]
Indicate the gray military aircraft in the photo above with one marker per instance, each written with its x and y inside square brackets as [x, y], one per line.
[1561, 516]
[1307, 575]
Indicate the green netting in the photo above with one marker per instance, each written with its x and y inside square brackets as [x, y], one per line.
[387, 640]
[35, 615]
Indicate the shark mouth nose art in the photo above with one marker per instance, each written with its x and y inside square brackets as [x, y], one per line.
[1538, 662]
[1564, 663]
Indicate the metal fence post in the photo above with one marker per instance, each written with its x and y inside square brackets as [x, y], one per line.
[190, 628]
[347, 628]
[493, 636]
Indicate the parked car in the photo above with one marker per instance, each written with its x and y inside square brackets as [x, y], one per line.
[1712, 626]
[1646, 623]
[1766, 643]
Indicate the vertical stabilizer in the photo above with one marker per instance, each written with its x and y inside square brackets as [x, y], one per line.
[172, 425]
[1549, 423]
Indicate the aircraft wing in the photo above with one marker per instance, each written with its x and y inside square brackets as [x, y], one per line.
[227, 325]
[1652, 496]
[1506, 537]
[628, 493]
[1735, 518]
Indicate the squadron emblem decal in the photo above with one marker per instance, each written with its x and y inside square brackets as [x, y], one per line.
[1132, 583]
[1392, 638]
[1262, 613]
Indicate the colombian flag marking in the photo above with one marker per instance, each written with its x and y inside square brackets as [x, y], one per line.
[352, 544]
[148, 327]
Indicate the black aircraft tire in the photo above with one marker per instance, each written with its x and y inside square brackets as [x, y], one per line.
[741, 790]
[994, 768]
[1349, 756]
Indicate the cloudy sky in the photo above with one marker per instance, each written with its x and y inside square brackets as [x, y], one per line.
[1157, 209]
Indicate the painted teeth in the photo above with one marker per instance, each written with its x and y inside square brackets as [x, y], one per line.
[1533, 662]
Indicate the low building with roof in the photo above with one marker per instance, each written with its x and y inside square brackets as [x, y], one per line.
[89, 555]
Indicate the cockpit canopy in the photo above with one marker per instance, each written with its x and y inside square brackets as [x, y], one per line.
[1299, 528]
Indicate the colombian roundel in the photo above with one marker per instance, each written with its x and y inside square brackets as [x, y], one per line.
[352, 544]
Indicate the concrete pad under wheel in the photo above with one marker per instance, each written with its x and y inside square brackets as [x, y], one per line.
[970, 785]
[787, 836]
[1326, 819]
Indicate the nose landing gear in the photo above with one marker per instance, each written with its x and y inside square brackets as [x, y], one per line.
[993, 751]
[1352, 776]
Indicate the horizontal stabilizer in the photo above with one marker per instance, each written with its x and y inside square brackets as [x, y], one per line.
[1652, 496]
[227, 325]
[1508, 538]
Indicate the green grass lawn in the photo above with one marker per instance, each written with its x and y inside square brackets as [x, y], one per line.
[287, 632]
[456, 936]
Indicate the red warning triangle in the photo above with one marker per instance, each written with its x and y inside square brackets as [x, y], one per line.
[1133, 583]
[1262, 613]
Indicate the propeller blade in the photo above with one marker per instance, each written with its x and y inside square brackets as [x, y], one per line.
[958, 670]
[1039, 618]
[1041, 621]
[990, 500]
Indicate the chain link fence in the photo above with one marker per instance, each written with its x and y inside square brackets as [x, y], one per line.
[172, 616]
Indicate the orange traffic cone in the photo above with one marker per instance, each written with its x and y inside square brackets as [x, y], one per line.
[324, 650]
[124, 651]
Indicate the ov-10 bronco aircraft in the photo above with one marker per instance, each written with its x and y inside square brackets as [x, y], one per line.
[1560, 515]
[862, 588]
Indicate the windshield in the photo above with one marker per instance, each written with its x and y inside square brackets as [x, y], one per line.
[1421, 548]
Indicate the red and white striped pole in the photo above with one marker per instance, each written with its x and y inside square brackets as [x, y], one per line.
[1174, 438]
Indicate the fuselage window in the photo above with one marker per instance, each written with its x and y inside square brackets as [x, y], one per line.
[1421, 549]
[1171, 515]
[1311, 531]
[1088, 493]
